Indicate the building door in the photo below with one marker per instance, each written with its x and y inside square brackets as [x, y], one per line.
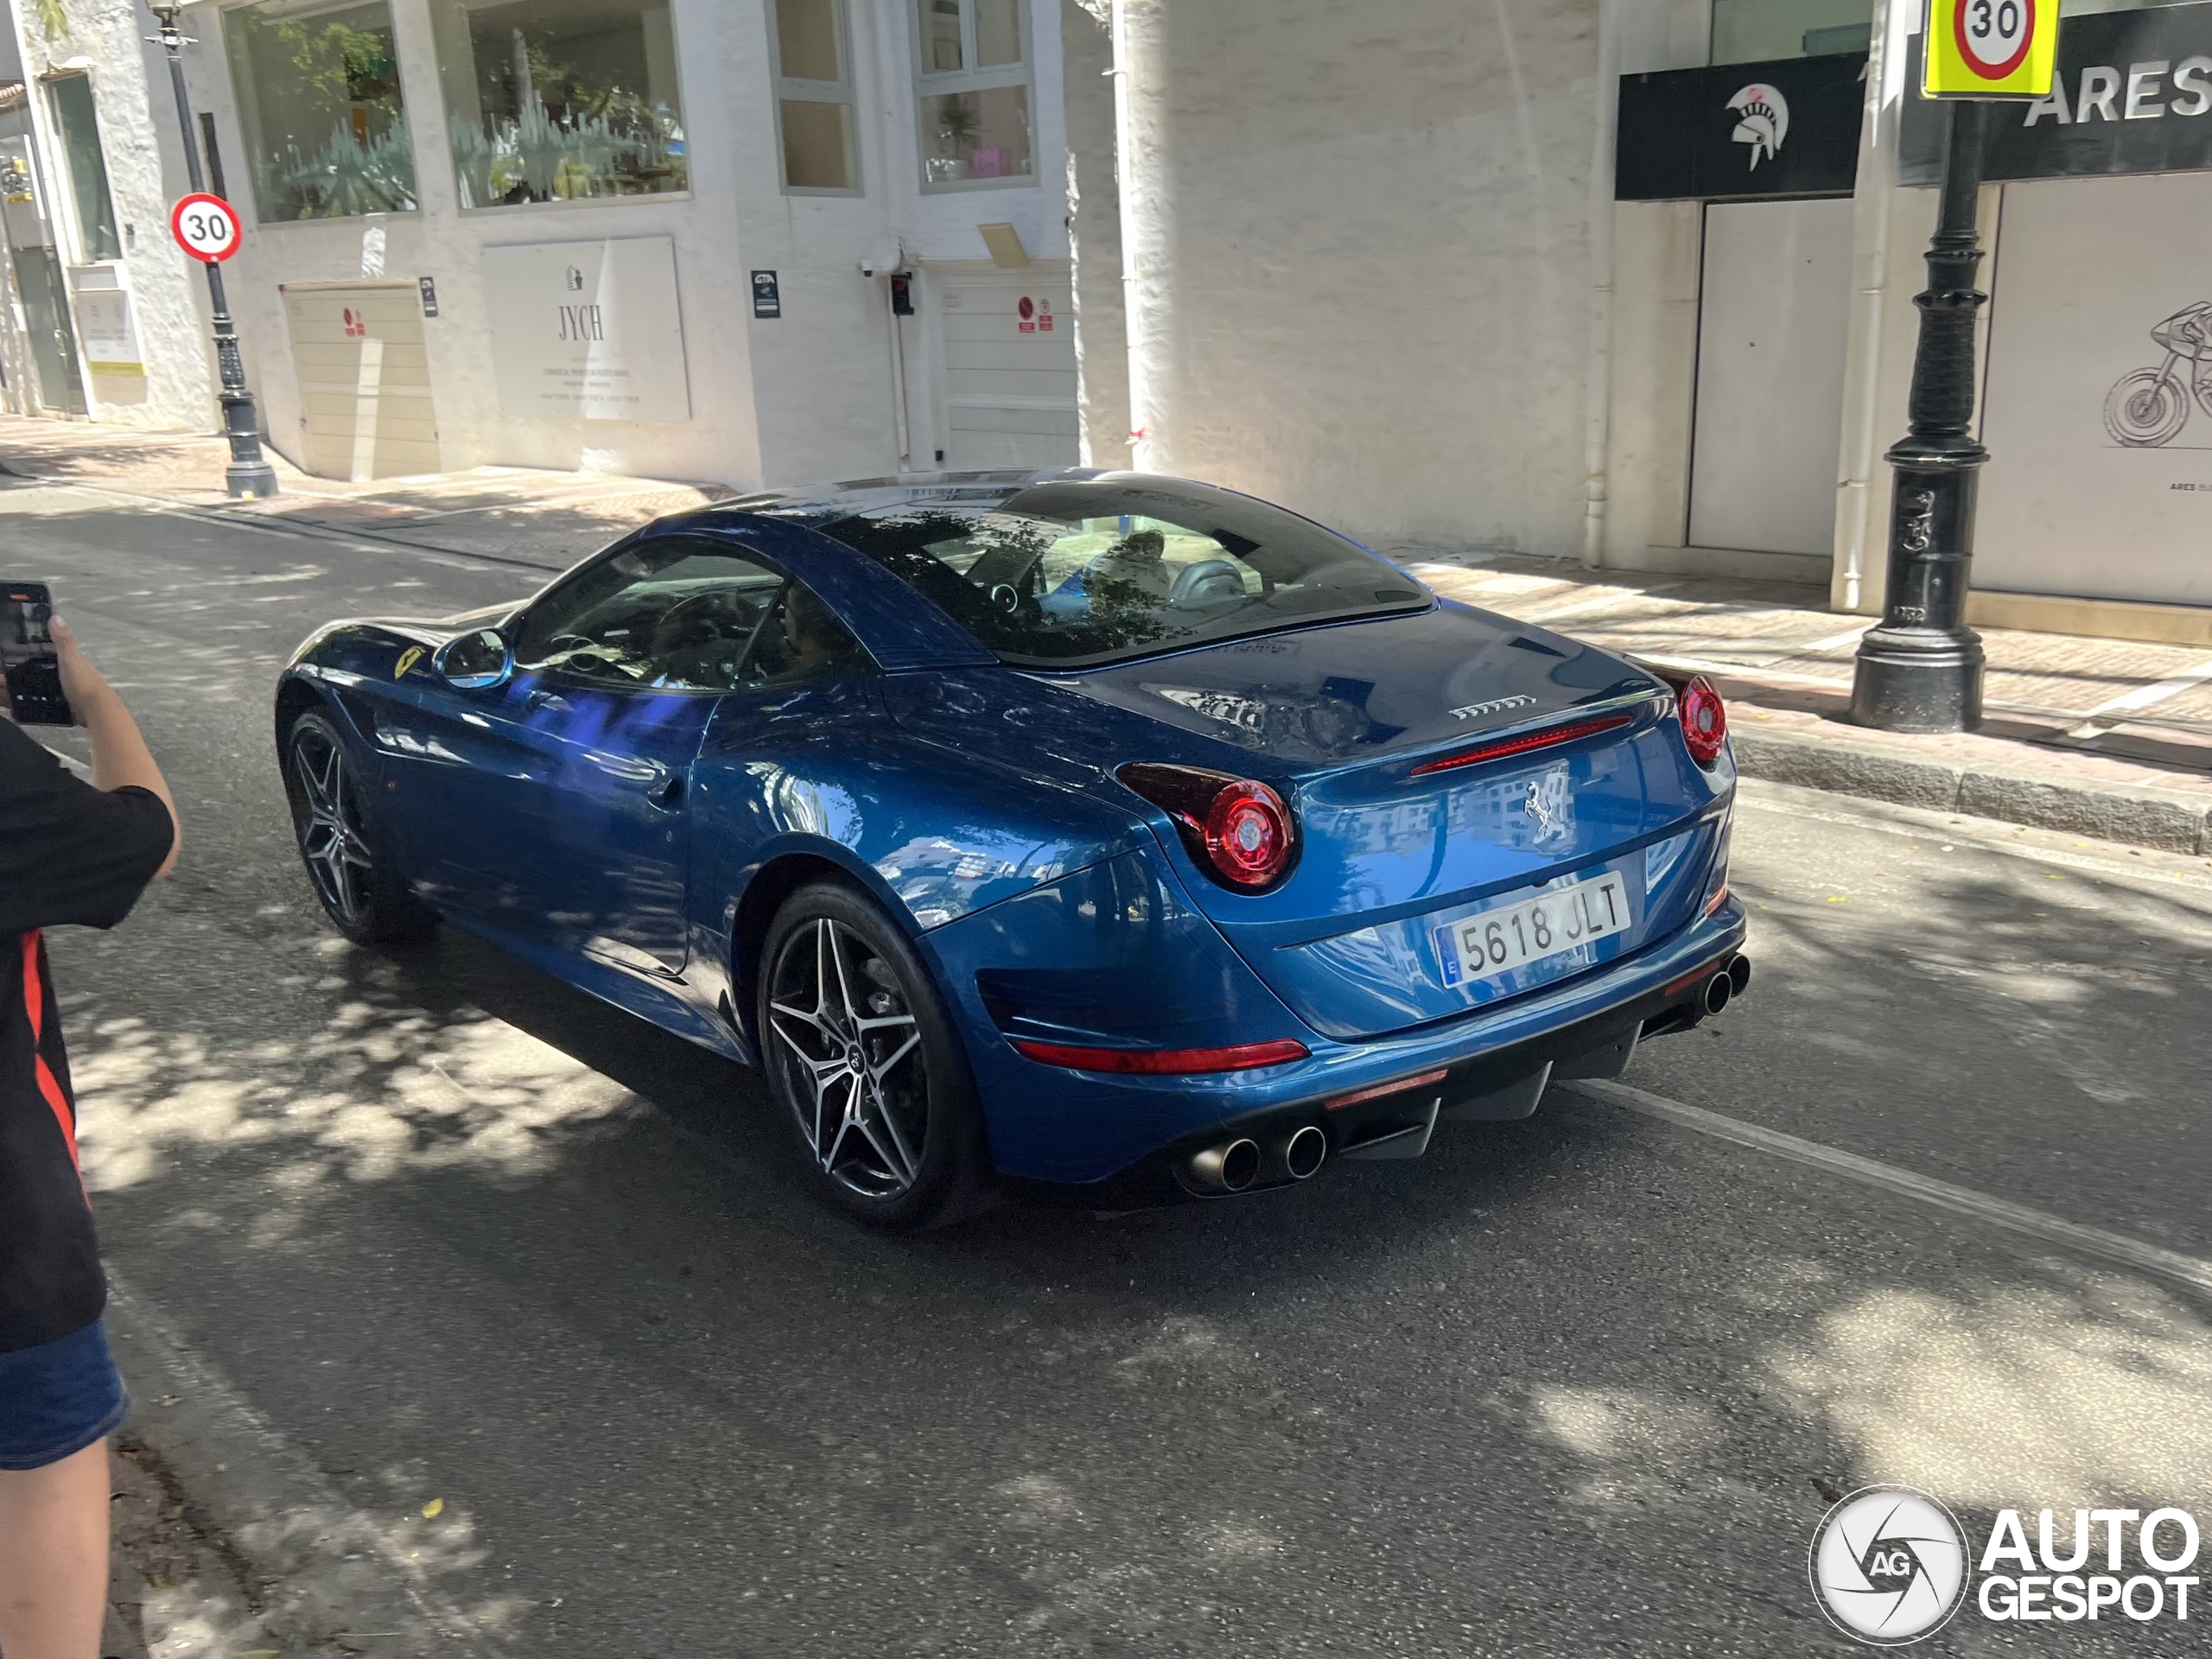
[1774, 319]
[1009, 370]
[364, 379]
[28, 235]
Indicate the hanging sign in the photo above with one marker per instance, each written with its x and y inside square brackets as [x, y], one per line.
[205, 227]
[1990, 49]
[2133, 94]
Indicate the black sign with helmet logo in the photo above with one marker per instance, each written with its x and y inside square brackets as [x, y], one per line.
[1787, 127]
[2133, 94]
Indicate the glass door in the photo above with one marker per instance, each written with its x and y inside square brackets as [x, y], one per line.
[28, 235]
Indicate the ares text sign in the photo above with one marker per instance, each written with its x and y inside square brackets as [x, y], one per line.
[2133, 94]
[587, 330]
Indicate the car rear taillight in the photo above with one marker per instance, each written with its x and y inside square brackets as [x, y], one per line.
[1239, 831]
[1163, 1062]
[1705, 723]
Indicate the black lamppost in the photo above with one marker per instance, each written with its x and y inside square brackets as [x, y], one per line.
[1920, 669]
[249, 472]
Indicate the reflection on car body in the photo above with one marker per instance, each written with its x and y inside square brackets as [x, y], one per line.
[1095, 832]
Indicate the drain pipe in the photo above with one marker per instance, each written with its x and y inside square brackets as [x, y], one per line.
[1874, 199]
[1597, 428]
[1125, 174]
[899, 371]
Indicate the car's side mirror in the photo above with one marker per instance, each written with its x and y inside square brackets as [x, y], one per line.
[475, 661]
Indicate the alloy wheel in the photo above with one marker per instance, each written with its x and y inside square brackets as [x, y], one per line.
[331, 841]
[852, 1054]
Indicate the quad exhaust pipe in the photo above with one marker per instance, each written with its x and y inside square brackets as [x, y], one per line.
[1726, 984]
[1235, 1166]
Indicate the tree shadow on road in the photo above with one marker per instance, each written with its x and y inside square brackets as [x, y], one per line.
[470, 1234]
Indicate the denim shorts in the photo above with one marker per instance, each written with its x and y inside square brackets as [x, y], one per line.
[58, 1398]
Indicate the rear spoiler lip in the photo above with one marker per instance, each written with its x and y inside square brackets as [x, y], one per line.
[1632, 704]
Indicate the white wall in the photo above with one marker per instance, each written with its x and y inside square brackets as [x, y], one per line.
[795, 399]
[1364, 284]
[146, 168]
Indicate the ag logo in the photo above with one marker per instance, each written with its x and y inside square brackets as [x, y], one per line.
[1763, 121]
[1889, 1566]
[408, 659]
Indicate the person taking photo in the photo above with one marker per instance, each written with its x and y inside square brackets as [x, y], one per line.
[71, 852]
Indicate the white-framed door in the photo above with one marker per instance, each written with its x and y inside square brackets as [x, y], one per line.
[1774, 325]
[1007, 341]
[364, 371]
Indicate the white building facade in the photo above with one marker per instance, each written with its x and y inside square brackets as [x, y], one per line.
[755, 241]
[1630, 281]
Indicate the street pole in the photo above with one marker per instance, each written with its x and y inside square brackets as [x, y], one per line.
[249, 475]
[1920, 669]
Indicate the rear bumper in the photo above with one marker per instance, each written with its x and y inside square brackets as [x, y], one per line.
[1112, 1137]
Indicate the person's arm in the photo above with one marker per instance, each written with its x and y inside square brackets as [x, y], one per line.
[120, 758]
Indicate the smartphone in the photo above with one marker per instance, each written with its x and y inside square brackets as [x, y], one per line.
[27, 654]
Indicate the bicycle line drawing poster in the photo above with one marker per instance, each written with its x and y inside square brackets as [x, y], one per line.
[2098, 391]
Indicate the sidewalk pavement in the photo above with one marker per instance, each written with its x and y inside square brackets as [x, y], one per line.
[520, 515]
[2107, 738]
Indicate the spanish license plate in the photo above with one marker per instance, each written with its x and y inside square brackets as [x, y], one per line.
[1493, 942]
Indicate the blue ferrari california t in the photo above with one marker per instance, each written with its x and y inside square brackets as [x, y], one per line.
[1095, 833]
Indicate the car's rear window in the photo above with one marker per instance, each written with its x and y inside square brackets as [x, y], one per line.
[1072, 574]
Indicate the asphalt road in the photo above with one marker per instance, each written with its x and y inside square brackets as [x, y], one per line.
[1570, 1386]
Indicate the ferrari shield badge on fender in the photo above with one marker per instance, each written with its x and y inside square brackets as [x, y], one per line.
[408, 659]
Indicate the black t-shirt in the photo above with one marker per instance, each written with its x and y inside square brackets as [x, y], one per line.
[68, 854]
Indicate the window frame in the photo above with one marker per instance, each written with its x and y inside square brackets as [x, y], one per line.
[73, 211]
[799, 90]
[937, 83]
[245, 116]
[559, 204]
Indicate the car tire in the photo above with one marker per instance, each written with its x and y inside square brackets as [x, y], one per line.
[363, 900]
[912, 1153]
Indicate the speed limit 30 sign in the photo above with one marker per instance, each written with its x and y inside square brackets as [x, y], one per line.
[205, 227]
[1990, 49]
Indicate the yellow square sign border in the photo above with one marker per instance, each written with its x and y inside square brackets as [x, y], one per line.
[1944, 69]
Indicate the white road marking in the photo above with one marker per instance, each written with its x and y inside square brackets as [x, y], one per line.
[2142, 697]
[2134, 1253]
[1835, 639]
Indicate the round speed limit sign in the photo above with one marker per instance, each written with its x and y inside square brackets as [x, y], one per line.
[205, 227]
[1994, 34]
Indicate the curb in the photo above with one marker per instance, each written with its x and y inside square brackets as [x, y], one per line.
[332, 1577]
[2172, 820]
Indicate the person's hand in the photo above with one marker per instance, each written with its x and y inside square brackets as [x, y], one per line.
[81, 683]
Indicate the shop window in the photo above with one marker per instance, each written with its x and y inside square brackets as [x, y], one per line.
[70, 97]
[814, 96]
[971, 72]
[560, 101]
[326, 127]
[1751, 31]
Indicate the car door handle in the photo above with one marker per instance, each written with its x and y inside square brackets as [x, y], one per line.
[668, 794]
[542, 698]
